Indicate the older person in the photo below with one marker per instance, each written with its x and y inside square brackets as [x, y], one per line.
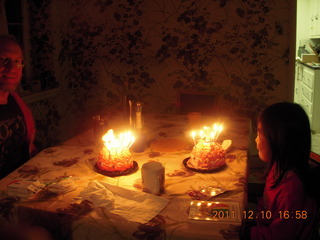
[17, 129]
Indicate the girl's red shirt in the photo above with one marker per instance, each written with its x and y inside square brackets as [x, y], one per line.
[286, 211]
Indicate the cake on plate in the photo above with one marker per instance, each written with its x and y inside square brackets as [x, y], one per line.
[207, 156]
[115, 158]
[116, 162]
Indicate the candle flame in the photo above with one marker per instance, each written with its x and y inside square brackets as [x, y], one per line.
[193, 134]
[116, 145]
[207, 134]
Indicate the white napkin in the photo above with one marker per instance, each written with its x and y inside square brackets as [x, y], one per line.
[132, 205]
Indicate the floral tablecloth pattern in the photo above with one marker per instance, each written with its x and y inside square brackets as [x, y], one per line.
[67, 216]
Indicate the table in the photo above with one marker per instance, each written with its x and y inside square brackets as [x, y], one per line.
[66, 216]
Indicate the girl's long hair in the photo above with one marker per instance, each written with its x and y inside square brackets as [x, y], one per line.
[287, 129]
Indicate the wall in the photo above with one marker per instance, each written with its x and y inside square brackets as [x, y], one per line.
[303, 24]
[235, 48]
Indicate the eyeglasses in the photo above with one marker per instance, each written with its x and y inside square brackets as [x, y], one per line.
[6, 61]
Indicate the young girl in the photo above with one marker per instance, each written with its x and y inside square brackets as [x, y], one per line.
[288, 209]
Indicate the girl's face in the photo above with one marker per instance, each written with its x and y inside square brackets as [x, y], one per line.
[263, 145]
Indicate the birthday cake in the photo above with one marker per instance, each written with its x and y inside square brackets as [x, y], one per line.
[207, 156]
[115, 158]
[117, 162]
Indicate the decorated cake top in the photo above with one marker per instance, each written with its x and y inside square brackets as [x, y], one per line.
[207, 154]
[206, 146]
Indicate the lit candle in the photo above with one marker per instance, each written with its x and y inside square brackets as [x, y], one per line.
[219, 131]
[207, 134]
[201, 134]
[117, 145]
[193, 134]
[212, 135]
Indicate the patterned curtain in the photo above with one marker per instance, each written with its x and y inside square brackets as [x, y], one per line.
[3, 18]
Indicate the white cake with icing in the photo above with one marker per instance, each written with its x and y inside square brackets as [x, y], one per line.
[207, 156]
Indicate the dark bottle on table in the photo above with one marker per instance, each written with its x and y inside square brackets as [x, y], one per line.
[139, 144]
[125, 101]
[100, 127]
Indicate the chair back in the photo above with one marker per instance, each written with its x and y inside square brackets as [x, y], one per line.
[203, 102]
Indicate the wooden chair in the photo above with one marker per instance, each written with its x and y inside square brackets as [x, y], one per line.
[203, 102]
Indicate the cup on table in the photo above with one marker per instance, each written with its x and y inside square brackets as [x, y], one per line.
[152, 174]
[194, 119]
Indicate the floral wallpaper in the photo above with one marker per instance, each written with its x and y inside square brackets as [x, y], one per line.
[151, 50]
[47, 118]
[41, 41]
